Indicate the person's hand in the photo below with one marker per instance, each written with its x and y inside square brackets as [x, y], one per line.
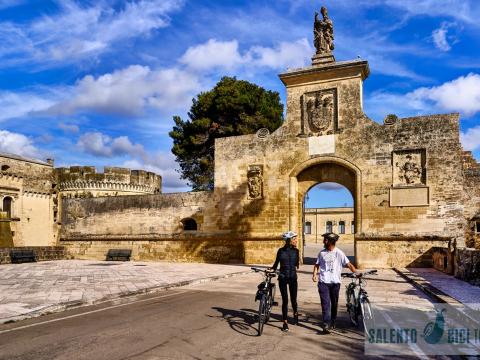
[314, 278]
[358, 274]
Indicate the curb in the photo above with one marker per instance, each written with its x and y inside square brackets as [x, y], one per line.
[80, 303]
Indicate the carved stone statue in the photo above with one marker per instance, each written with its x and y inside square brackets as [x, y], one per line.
[410, 171]
[323, 33]
[255, 182]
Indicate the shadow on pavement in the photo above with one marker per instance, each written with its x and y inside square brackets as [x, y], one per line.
[243, 321]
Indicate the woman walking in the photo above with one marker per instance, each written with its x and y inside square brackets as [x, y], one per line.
[288, 258]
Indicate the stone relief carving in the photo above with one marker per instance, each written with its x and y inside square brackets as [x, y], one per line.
[320, 112]
[409, 167]
[323, 33]
[255, 181]
[263, 133]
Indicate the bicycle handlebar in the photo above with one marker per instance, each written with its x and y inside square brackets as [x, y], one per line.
[360, 274]
[267, 272]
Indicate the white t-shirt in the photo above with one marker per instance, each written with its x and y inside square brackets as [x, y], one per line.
[331, 264]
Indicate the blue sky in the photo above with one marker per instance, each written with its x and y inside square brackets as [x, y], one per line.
[97, 82]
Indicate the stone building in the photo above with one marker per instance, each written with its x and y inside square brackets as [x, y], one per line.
[318, 221]
[28, 202]
[31, 191]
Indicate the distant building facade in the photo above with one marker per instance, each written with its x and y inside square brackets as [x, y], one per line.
[318, 221]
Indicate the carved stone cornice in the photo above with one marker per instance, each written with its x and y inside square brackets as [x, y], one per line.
[104, 186]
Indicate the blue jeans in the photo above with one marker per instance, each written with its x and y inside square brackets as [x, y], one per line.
[329, 301]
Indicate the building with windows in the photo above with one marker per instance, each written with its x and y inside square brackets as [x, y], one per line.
[338, 220]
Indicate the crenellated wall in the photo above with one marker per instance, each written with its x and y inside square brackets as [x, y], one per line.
[84, 181]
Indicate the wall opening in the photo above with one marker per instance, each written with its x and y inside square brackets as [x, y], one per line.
[7, 206]
[189, 224]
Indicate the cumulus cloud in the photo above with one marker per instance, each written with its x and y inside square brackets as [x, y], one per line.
[129, 91]
[79, 31]
[471, 138]
[18, 144]
[330, 186]
[461, 94]
[216, 54]
[99, 144]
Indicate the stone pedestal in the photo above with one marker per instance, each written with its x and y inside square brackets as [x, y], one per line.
[320, 59]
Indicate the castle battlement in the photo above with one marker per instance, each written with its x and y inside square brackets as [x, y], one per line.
[112, 179]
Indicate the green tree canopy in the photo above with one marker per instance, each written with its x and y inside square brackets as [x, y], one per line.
[232, 107]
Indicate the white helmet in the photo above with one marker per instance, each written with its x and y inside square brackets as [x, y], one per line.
[289, 235]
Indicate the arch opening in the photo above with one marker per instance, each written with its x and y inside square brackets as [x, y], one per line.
[7, 206]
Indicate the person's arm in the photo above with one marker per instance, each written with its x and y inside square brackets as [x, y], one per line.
[277, 260]
[351, 267]
[315, 272]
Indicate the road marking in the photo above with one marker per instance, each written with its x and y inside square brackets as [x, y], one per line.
[91, 312]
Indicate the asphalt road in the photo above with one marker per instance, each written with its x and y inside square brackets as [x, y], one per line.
[208, 321]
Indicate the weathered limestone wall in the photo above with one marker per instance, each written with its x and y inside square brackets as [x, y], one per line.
[30, 184]
[471, 172]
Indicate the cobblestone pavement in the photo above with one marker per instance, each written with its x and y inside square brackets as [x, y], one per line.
[33, 289]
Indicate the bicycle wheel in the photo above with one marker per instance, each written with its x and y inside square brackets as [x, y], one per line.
[352, 309]
[261, 314]
[268, 308]
[367, 314]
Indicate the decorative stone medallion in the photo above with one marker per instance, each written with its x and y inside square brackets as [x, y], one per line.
[409, 168]
[255, 182]
[319, 112]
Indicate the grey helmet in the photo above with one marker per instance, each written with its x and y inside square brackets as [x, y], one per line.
[289, 235]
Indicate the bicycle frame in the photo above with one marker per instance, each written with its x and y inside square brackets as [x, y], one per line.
[358, 302]
[265, 294]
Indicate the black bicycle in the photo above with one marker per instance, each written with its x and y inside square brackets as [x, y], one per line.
[266, 295]
[358, 303]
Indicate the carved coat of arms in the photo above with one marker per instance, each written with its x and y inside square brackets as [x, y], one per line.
[319, 112]
[255, 182]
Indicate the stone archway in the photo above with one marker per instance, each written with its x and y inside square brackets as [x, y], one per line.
[318, 170]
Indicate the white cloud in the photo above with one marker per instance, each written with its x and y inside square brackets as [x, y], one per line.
[69, 128]
[9, 3]
[461, 94]
[79, 31]
[18, 144]
[99, 144]
[129, 91]
[330, 186]
[15, 105]
[439, 37]
[284, 55]
[471, 139]
[213, 54]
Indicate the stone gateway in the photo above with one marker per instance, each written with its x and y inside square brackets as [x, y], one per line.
[414, 188]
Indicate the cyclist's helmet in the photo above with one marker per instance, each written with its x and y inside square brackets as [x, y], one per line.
[289, 235]
[331, 237]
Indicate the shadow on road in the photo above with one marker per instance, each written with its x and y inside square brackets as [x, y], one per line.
[243, 321]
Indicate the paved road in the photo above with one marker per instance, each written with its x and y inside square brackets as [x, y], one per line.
[204, 321]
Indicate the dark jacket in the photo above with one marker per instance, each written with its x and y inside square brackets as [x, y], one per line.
[288, 258]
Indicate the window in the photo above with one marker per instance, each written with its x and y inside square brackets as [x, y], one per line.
[329, 227]
[7, 206]
[308, 227]
[5, 167]
[353, 227]
[341, 227]
[189, 224]
[477, 227]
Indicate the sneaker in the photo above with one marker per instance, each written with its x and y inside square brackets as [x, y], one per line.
[285, 327]
[295, 319]
[332, 326]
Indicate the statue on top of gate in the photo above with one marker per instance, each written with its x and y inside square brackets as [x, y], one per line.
[323, 33]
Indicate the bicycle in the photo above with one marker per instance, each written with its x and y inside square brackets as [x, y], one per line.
[266, 295]
[357, 300]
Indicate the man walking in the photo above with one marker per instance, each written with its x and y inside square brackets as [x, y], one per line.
[329, 264]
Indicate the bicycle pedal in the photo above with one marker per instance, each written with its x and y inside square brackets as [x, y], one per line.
[275, 303]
